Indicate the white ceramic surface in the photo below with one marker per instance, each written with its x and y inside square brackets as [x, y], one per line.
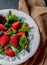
[34, 43]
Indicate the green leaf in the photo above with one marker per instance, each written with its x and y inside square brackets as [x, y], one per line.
[19, 48]
[22, 42]
[1, 50]
[16, 50]
[22, 22]
[26, 29]
[12, 18]
[7, 24]
[12, 33]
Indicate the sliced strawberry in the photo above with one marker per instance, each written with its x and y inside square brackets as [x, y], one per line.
[14, 41]
[15, 25]
[9, 53]
[4, 39]
[20, 34]
[2, 27]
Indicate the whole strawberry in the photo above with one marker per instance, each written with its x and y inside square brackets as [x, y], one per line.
[14, 41]
[4, 39]
[9, 53]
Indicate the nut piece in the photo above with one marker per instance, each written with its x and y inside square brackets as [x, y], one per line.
[26, 42]
[25, 25]
[9, 12]
[6, 47]
[13, 30]
[7, 32]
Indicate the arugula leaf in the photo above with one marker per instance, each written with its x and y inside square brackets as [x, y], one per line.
[26, 29]
[22, 22]
[11, 47]
[16, 50]
[7, 24]
[12, 33]
[1, 50]
[19, 48]
[22, 42]
[10, 19]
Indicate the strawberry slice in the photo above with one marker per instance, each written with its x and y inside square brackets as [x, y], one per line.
[2, 27]
[14, 41]
[9, 53]
[4, 39]
[15, 25]
[20, 34]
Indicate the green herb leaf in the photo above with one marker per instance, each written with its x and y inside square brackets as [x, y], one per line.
[1, 50]
[12, 33]
[21, 24]
[26, 29]
[7, 24]
[22, 42]
[19, 48]
[12, 18]
[14, 49]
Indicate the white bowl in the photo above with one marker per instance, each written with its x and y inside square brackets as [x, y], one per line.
[34, 43]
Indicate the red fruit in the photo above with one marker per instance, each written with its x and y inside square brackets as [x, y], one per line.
[14, 41]
[9, 53]
[4, 39]
[2, 27]
[20, 34]
[15, 25]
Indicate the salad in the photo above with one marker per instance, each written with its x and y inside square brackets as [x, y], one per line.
[13, 35]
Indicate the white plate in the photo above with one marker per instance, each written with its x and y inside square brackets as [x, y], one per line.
[34, 43]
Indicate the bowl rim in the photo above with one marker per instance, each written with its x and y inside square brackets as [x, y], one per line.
[13, 62]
